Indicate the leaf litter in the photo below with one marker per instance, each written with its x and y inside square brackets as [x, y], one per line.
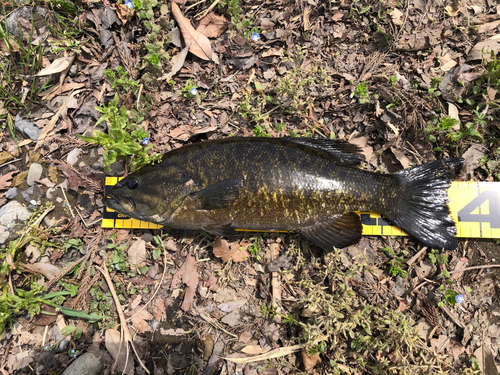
[221, 287]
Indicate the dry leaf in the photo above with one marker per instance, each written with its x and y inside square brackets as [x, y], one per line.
[213, 25]
[276, 353]
[484, 28]
[139, 321]
[8, 49]
[5, 180]
[137, 252]
[483, 48]
[58, 65]
[112, 342]
[235, 251]
[255, 349]
[453, 113]
[177, 63]
[397, 17]
[46, 269]
[362, 142]
[5, 157]
[440, 343]
[310, 361]
[200, 45]
[123, 12]
[18, 180]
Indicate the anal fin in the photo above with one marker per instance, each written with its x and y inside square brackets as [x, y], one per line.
[340, 232]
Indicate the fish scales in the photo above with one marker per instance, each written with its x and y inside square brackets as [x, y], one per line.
[305, 185]
[302, 182]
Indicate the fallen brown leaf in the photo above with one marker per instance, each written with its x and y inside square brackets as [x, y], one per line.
[5, 180]
[46, 269]
[235, 251]
[57, 66]
[200, 45]
[310, 361]
[112, 342]
[139, 321]
[213, 25]
[137, 252]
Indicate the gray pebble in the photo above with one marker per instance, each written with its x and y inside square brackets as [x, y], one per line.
[63, 346]
[9, 213]
[29, 129]
[87, 364]
[27, 194]
[398, 288]
[11, 193]
[34, 173]
[13, 211]
[73, 71]
[50, 192]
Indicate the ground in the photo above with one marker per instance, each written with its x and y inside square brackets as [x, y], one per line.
[409, 82]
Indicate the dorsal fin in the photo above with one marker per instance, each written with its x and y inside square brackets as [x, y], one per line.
[342, 153]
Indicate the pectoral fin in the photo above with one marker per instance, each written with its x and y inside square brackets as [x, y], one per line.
[340, 232]
[219, 195]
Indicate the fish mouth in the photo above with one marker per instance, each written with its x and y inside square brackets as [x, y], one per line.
[124, 205]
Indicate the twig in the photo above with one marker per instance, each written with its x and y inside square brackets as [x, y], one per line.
[193, 5]
[460, 270]
[123, 322]
[67, 201]
[208, 10]
[9, 162]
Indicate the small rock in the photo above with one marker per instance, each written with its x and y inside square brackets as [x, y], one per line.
[11, 193]
[86, 364]
[73, 71]
[27, 194]
[63, 346]
[29, 129]
[116, 169]
[13, 211]
[50, 192]
[72, 157]
[4, 234]
[34, 173]
[34, 15]
[398, 288]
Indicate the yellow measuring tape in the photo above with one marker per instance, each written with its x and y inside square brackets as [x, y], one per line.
[474, 206]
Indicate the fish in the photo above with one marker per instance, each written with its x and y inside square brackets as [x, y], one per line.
[306, 185]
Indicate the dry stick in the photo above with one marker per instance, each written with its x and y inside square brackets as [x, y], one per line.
[125, 331]
[208, 10]
[193, 5]
[9, 162]
[461, 270]
[66, 198]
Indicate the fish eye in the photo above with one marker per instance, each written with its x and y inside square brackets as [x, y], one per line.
[132, 184]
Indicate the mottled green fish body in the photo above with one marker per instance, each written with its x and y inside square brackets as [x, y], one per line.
[306, 185]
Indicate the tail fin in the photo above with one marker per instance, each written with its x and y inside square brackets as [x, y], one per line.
[424, 213]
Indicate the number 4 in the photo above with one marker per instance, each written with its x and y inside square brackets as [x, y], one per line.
[493, 198]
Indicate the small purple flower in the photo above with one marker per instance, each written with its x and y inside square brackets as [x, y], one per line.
[255, 37]
[193, 91]
[145, 141]
[129, 4]
[459, 298]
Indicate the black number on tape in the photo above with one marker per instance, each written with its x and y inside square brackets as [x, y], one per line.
[493, 198]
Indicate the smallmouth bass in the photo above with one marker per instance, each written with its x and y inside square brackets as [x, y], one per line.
[309, 186]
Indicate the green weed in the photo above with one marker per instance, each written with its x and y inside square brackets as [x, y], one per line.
[362, 94]
[126, 139]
